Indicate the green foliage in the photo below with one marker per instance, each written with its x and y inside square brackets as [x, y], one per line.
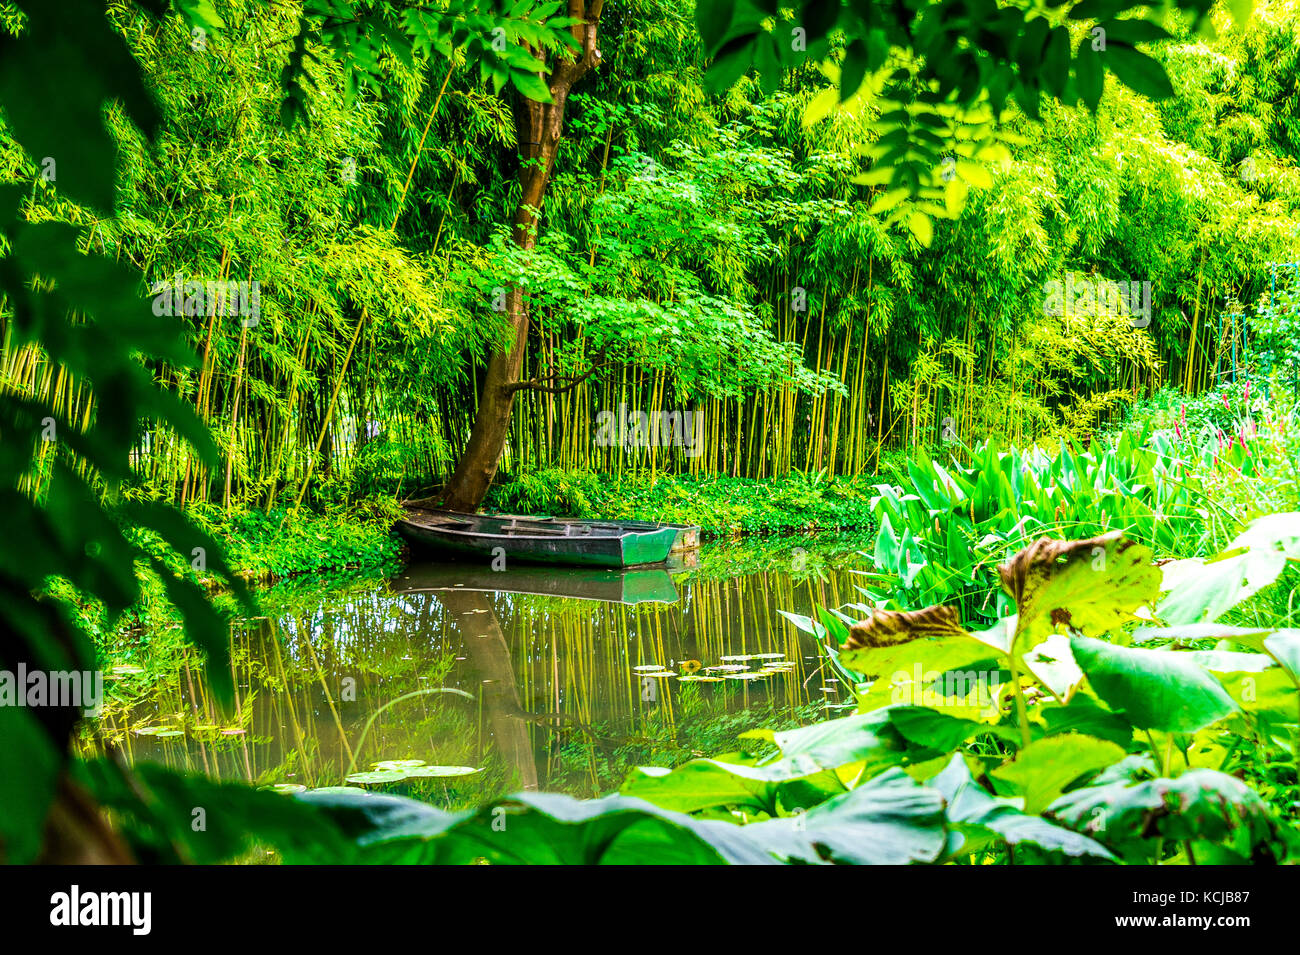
[505, 41]
[740, 268]
[85, 313]
[895, 784]
[284, 543]
[944, 531]
[947, 69]
[720, 506]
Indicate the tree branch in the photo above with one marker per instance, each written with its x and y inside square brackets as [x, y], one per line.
[540, 384]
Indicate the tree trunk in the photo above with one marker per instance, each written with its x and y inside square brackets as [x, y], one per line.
[489, 654]
[538, 128]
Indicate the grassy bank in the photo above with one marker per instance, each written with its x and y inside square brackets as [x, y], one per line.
[723, 507]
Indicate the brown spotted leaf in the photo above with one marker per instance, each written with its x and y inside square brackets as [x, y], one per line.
[892, 640]
[886, 628]
[1089, 586]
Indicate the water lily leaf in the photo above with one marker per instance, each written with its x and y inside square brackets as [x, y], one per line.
[1091, 586]
[1156, 690]
[377, 776]
[1043, 769]
[398, 763]
[439, 772]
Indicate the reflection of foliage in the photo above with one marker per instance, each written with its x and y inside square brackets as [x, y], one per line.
[703, 728]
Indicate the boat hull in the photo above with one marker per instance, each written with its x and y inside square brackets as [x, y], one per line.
[537, 542]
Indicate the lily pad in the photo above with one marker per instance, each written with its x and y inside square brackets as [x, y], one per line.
[442, 771]
[378, 776]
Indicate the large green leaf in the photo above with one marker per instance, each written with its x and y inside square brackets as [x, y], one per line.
[29, 771]
[1201, 804]
[535, 829]
[1156, 690]
[867, 738]
[938, 731]
[890, 820]
[55, 79]
[971, 808]
[1201, 591]
[1046, 767]
[715, 784]
[1090, 586]
[175, 817]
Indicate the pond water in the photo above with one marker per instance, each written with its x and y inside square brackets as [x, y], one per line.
[495, 681]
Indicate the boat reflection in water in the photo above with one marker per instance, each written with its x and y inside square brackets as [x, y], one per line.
[612, 586]
[573, 677]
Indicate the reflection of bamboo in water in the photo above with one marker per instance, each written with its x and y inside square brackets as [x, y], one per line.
[304, 762]
[194, 703]
[320, 674]
[491, 658]
[564, 667]
[239, 710]
[589, 654]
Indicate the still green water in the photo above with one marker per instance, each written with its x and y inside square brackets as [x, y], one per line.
[564, 679]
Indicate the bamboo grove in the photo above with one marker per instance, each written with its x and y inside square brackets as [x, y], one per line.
[372, 234]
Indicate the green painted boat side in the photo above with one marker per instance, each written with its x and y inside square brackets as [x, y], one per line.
[545, 541]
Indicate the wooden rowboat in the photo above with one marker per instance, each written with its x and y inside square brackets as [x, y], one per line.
[540, 540]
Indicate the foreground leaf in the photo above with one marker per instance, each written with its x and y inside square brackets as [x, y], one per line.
[1156, 690]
